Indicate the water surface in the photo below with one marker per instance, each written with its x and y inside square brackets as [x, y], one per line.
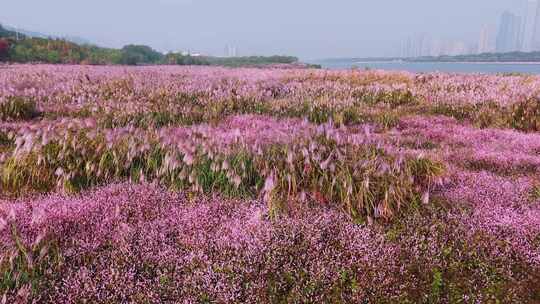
[449, 67]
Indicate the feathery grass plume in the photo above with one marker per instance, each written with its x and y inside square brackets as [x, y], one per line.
[363, 180]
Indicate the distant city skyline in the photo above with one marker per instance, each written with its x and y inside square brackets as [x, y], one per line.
[484, 43]
[518, 29]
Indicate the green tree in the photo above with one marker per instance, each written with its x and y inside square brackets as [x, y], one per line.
[53, 57]
[137, 54]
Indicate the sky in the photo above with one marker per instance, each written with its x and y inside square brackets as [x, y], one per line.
[309, 29]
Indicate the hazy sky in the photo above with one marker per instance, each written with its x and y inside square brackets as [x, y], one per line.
[305, 28]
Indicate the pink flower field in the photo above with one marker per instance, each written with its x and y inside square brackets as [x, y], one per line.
[216, 185]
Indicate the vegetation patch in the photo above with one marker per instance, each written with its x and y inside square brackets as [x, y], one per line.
[526, 115]
[198, 184]
[25, 266]
[535, 192]
[364, 180]
[498, 167]
[18, 108]
[523, 116]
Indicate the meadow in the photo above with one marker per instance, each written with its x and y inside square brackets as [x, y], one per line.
[173, 184]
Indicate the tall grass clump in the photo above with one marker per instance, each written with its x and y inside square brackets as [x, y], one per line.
[526, 115]
[18, 108]
[362, 179]
[6, 143]
[388, 96]
[522, 116]
[75, 158]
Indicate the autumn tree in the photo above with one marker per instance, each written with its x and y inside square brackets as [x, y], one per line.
[4, 49]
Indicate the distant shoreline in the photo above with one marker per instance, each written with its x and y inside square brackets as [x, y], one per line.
[457, 62]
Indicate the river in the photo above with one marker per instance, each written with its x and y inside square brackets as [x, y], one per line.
[453, 67]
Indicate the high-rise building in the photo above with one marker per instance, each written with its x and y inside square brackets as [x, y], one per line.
[509, 36]
[416, 46]
[231, 51]
[409, 48]
[425, 45]
[436, 47]
[529, 22]
[404, 49]
[535, 41]
[484, 43]
[456, 48]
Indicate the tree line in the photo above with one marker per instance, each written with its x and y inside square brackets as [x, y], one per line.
[16, 47]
